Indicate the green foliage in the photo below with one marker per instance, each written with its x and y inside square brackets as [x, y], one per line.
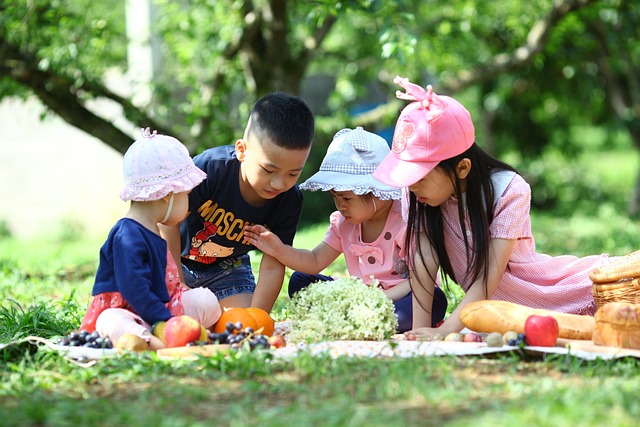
[77, 39]
[48, 320]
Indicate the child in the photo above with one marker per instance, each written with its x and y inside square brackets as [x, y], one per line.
[469, 217]
[367, 227]
[253, 182]
[137, 282]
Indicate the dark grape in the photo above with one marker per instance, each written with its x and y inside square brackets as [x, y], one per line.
[83, 338]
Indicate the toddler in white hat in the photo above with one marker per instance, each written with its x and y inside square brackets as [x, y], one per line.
[137, 283]
[368, 226]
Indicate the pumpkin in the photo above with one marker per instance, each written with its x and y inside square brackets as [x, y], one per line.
[256, 318]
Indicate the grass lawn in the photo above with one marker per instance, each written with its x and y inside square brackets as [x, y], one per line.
[43, 389]
[46, 294]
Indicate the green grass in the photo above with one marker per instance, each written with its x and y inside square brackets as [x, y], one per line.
[46, 295]
[253, 390]
[43, 389]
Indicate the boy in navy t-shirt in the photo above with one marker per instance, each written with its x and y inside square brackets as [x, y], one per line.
[253, 182]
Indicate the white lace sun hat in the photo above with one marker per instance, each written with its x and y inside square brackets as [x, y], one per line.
[351, 158]
[156, 165]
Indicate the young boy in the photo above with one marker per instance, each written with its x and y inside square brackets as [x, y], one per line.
[253, 182]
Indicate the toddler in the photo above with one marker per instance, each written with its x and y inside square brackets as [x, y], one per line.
[367, 228]
[137, 282]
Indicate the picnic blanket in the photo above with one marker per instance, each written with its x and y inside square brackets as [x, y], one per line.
[397, 346]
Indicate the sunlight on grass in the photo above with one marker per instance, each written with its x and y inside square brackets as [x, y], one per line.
[46, 293]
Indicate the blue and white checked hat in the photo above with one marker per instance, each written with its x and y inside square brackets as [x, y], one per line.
[351, 158]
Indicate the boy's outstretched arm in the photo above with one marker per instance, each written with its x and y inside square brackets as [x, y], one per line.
[303, 260]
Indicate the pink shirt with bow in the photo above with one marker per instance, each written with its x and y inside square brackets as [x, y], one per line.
[383, 258]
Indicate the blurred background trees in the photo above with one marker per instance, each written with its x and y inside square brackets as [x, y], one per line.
[545, 81]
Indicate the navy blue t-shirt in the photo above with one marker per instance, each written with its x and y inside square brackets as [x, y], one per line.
[214, 228]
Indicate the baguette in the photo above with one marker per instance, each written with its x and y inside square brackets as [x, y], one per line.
[502, 316]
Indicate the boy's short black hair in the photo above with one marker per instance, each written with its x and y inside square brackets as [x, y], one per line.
[285, 119]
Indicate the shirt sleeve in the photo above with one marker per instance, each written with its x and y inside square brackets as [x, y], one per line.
[332, 237]
[512, 212]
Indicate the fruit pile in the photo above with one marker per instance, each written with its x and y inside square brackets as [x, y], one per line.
[236, 336]
[494, 339]
[83, 338]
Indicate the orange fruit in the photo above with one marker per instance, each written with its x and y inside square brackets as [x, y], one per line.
[264, 320]
[252, 317]
[235, 315]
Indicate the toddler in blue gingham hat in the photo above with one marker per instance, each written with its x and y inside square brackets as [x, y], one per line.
[368, 227]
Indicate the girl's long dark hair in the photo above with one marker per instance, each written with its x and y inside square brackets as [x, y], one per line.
[476, 205]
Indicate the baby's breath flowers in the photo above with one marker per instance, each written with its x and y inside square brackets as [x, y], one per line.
[343, 309]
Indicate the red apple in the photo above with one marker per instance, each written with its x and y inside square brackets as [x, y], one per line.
[181, 330]
[277, 341]
[541, 331]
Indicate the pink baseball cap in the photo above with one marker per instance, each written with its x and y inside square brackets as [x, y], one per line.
[429, 130]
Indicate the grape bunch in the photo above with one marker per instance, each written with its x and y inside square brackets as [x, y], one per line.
[520, 341]
[83, 338]
[237, 336]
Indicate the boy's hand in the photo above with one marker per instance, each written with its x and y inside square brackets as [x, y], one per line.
[263, 239]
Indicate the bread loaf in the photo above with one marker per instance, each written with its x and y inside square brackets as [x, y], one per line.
[502, 316]
[618, 325]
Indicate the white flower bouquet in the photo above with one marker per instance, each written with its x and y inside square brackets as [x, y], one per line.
[343, 309]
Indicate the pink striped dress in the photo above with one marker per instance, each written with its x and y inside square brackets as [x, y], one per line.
[559, 283]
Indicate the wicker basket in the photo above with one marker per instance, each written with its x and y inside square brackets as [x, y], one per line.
[617, 280]
[621, 291]
[617, 268]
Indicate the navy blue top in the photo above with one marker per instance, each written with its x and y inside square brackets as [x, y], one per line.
[133, 261]
[213, 230]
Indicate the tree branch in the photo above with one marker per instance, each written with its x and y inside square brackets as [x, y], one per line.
[522, 56]
[315, 41]
[64, 96]
[500, 64]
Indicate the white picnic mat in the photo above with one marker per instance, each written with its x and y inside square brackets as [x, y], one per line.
[400, 347]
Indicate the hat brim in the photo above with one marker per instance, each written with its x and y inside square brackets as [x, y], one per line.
[401, 173]
[359, 184]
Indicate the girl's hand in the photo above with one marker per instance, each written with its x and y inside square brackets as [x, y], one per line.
[263, 239]
[426, 334]
[421, 334]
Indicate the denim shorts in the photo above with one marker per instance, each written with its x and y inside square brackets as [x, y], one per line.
[229, 277]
